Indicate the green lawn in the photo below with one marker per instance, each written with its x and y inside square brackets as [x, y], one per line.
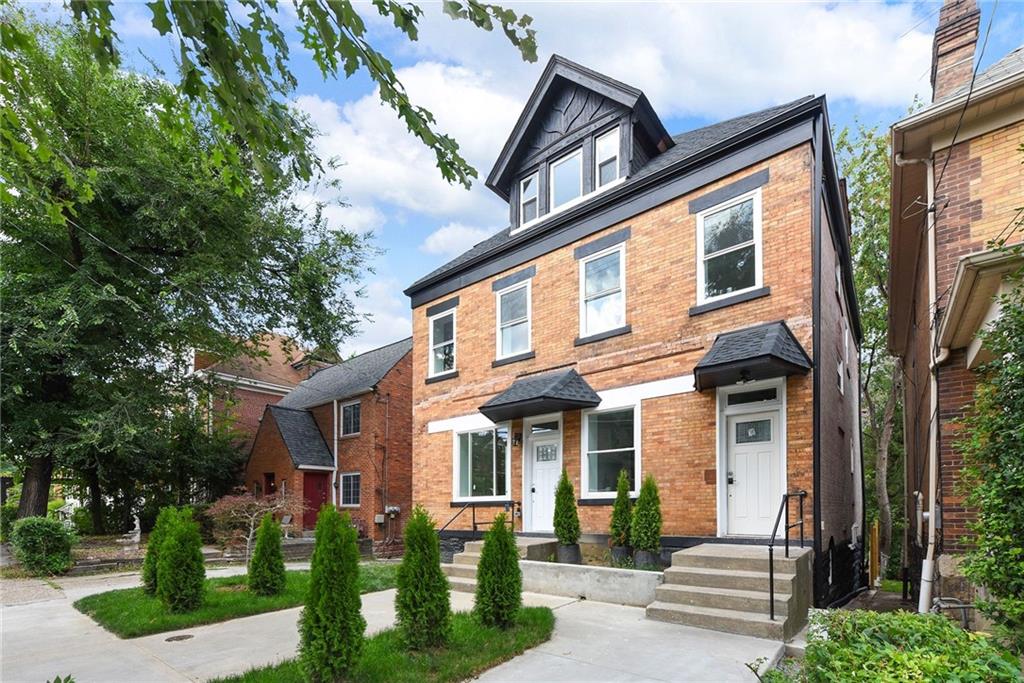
[892, 586]
[473, 649]
[130, 613]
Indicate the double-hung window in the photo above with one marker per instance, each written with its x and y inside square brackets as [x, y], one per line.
[442, 343]
[482, 464]
[528, 208]
[603, 291]
[606, 158]
[513, 320]
[729, 248]
[350, 489]
[610, 446]
[350, 419]
[566, 179]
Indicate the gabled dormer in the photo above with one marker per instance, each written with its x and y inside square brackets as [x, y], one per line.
[580, 133]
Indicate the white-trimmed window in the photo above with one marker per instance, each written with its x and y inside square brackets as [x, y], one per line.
[840, 374]
[442, 343]
[729, 248]
[528, 202]
[482, 464]
[606, 158]
[350, 489]
[566, 179]
[513, 317]
[603, 291]
[611, 441]
[351, 415]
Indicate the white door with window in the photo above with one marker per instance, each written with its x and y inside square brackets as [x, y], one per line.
[545, 469]
[754, 476]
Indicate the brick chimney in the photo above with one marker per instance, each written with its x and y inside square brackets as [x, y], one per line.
[953, 48]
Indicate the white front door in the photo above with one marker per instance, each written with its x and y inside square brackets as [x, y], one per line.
[754, 477]
[545, 469]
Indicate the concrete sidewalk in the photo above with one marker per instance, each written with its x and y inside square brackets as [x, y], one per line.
[592, 641]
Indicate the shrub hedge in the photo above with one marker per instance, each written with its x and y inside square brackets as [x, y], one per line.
[423, 602]
[8, 513]
[266, 568]
[499, 581]
[645, 532]
[42, 545]
[622, 512]
[567, 519]
[181, 573]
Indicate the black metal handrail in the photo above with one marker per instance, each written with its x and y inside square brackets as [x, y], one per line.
[783, 510]
[511, 506]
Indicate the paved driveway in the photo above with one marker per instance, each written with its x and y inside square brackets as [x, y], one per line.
[44, 636]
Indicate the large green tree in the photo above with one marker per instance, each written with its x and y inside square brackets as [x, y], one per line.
[863, 154]
[150, 256]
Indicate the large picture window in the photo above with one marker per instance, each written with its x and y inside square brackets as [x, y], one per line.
[729, 248]
[514, 320]
[609, 439]
[566, 179]
[350, 419]
[442, 343]
[602, 292]
[482, 463]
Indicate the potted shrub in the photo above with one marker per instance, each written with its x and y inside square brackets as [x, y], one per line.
[622, 513]
[567, 523]
[645, 532]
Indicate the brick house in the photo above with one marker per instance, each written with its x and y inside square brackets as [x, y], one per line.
[680, 306]
[344, 436]
[958, 182]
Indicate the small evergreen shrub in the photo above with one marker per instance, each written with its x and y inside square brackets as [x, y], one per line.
[42, 545]
[567, 520]
[8, 513]
[181, 573]
[150, 564]
[499, 581]
[622, 512]
[423, 602]
[331, 627]
[266, 568]
[645, 532]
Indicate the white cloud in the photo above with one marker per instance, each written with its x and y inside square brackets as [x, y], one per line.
[390, 317]
[134, 22]
[453, 239]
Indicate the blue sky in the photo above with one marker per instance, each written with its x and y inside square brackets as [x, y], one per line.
[697, 62]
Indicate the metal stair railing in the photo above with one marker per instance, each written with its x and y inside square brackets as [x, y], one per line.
[511, 506]
[783, 510]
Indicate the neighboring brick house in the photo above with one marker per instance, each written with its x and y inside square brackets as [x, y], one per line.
[675, 306]
[958, 182]
[344, 436]
[245, 386]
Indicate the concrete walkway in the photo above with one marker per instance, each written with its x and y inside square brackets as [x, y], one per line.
[44, 636]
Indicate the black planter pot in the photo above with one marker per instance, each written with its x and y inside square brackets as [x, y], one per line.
[645, 558]
[621, 553]
[569, 554]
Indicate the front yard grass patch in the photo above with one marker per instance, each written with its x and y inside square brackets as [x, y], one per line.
[473, 648]
[130, 613]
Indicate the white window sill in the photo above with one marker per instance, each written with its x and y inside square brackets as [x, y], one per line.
[568, 205]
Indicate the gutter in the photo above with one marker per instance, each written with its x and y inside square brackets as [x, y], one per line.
[955, 104]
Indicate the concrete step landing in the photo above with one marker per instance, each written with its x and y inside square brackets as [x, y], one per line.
[461, 572]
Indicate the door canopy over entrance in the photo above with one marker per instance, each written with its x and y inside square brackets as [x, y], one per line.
[550, 392]
[758, 352]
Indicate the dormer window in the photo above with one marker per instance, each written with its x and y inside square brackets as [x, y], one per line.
[567, 179]
[528, 198]
[606, 158]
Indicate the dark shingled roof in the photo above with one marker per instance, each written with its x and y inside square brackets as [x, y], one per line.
[302, 437]
[350, 378]
[758, 352]
[1010, 65]
[539, 394]
[686, 145]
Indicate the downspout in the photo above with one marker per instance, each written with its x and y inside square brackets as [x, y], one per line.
[334, 474]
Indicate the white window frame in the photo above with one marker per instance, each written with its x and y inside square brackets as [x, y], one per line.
[585, 492]
[757, 242]
[341, 489]
[455, 343]
[341, 416]
[536, 178]
[841, 375]
[578, 152]
[456, 463]
[597, 161]
[529, 319]
[621, 248]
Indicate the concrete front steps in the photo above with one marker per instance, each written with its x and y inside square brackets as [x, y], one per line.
[461, 572]
[724, 587]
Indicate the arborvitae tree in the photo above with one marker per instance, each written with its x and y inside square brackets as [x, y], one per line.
[181, 573]
[150, 565]
[423, 603]
[332, 625]
[499, 581]
[622, 512]
[645, 532]
[266, 568]
[567, 520]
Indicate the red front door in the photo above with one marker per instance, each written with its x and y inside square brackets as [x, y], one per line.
[314, 491]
